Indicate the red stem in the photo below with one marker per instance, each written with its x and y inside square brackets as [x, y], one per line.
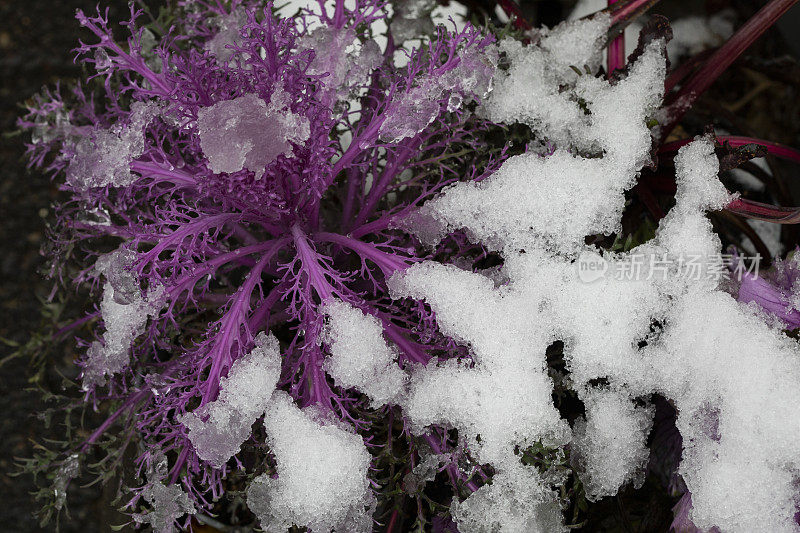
[308, 259]
[392, 521]
[723, 58]
[514, 12]
[749, 208]
[684, 69]
[776, 149]
[624, 11]
[766, 212]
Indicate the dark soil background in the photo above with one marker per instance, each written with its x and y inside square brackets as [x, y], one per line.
[36, 37]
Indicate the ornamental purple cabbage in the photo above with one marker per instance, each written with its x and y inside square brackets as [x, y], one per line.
[234, 174]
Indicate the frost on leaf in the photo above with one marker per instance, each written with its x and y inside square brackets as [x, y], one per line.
[168, 502]
[104, 157]
[218, 429]
[124, 311]
[46, 129]
[359, 356]
[411, 112]
[321, 478]
[341, 59]
[414, 109]
[64, 475]
[228, 34]
[247, 133]
[426, 470]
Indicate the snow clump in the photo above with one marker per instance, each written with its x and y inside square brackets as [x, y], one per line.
[124, 311]
[247, 133]
[321, 469]
[218, 429]
[359, 356]
[103, 158]
[639, 328]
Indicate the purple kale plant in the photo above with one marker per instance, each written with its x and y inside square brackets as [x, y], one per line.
[334, 257]
[230, 172]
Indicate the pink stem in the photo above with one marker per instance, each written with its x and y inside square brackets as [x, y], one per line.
[235, 317]
[629, 10]
[308, 259]
[156, 172]
[616, 50]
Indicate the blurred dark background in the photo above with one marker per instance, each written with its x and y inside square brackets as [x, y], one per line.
[36, 38]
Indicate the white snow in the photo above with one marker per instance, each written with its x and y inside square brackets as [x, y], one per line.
[585, 8]
[517, 501]
[644, 329]
[556, 201]
[321, 464]
[246, 132]
[611, 442]
[733, 378]
[502, 402]
[532, 89]
[124, 311]
[321, 478]
[359, 356]
[104, 158]
[218, 429]
[169, 503]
